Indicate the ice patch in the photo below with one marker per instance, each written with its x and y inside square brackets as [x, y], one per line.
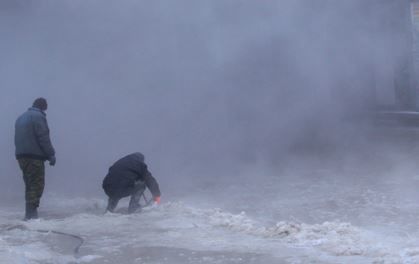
[195, 229]
[340, 239]
[33, 252]
[334, 238]
[88, 258]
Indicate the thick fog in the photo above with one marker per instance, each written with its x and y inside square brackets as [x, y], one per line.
[205, 89]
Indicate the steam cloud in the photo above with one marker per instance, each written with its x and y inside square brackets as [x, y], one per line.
[201, 87]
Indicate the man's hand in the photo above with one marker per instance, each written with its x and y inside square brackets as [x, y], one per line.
[52, 160]
[157, 200]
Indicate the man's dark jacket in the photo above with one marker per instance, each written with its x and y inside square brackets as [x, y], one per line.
[32, 138]
[121, 178]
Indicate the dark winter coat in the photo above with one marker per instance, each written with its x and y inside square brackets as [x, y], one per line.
[32, 138]
[122, 176]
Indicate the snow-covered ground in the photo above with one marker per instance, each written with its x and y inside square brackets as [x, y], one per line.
[335, 215]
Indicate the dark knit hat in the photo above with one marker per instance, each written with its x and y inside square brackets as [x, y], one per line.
[140, 156]
[40, 103]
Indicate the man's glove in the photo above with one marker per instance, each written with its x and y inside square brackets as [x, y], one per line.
[52, 160]
[157, 200]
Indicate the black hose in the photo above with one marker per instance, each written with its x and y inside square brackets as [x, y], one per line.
[76, 249]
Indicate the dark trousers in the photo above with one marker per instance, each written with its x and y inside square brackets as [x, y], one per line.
[136, 192]
[34, 178]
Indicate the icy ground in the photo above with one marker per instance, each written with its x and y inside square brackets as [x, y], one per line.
[301, 216]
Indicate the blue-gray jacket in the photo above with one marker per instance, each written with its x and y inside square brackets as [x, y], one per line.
[32, 138]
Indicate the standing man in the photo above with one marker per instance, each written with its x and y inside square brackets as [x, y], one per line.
[129, 176]
[33, 148]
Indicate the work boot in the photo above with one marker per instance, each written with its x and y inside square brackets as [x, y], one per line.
[134, 203]
[31, 212]
[27, 213]
[112, 203]
[35, 213]
[134, 207]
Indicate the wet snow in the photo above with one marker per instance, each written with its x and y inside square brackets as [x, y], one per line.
[290, 219]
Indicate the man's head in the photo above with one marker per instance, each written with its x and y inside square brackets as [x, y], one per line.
[41, 104]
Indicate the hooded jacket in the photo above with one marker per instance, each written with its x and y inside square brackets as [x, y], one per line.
[125, 172]
[32, 139]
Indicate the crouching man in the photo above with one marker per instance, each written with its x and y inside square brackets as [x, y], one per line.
[129, 176]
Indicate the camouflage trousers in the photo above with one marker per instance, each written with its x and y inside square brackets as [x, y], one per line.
[34, 178]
